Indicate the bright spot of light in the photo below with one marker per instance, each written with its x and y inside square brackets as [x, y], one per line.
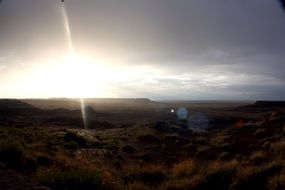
[172, 111]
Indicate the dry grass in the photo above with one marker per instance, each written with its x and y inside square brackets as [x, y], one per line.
[14, 154]
[87, 167]
[218, 165]
[184, 168]
[255, 177]
[277, 182]
[258, 157]
[138, 185]
[151, 174]
[278, 149]
[74, 173]
[182, 183]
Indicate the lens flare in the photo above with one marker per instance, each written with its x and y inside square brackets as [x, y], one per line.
[72, 53]
[83, 112]
[67, 29]
[182, 113]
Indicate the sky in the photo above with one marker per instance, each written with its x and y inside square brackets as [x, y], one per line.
[162, 49]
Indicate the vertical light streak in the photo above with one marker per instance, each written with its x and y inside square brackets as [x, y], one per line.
[67, 29]
[71, 51]
[83, 112]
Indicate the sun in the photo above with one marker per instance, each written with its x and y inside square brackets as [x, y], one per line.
[79, 77]
[71, 76]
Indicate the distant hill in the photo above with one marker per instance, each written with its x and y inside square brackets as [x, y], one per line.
[119, 100]
[14, 104]
[75, 103]
[266, 104]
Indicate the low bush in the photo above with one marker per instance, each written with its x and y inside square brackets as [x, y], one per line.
[71, 179]
[278, 149]
[224, 156]
[183, 183]
[172, 138]
[148, 138]
[260, 133]
[128, 149]
[74, 137]
[277, 182]
[219, 174]
[254, 177]
[72, 174]
[13, 153]
[258, 157]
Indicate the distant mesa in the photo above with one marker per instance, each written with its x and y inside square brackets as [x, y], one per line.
[119, 101]
[266, 104]
[111, 100]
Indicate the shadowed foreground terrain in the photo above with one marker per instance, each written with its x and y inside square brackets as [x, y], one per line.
[140, 144]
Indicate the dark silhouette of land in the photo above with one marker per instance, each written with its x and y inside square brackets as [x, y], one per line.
[141, 144]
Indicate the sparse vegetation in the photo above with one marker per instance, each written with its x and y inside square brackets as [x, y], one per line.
[13, 153]
[154, 156]
[151, 174]
[72, 174]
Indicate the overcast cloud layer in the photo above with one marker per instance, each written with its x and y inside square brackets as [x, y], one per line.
[194, 49]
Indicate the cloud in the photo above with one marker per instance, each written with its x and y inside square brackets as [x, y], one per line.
[188, 49]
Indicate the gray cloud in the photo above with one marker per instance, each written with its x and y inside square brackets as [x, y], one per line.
[233, 48]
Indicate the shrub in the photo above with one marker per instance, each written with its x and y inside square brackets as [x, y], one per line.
[71, 145]
[74, 137]
[162, 126]
[190, 147]
[145, 156]
[183, 183]
[128, 149]
[260, 133]
[117, 163]
[72, 174]
[148, 138]
[224, 147]
[14, 155]
[277, 182]
[258, 157]
[218, 174]
[253, 177]
[224, 156]
[278, 149]
[71, 179]
[172, 138]
[43, 159]
[12, 152]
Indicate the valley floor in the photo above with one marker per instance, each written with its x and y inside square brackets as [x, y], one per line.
[152, 155]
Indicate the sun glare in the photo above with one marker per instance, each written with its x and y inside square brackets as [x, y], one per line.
[78, 77]
[71, 76]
